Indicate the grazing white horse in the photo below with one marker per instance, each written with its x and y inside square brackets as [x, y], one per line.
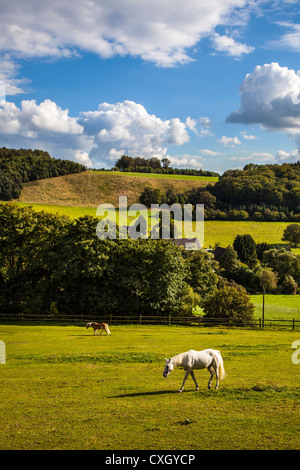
[99, 326]
[210, 359]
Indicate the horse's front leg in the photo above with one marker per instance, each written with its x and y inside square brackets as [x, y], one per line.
[194, 379]
[210, 369]
[184, 380]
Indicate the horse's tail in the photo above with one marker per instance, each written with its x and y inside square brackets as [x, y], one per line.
[220, 366]
[107, 329]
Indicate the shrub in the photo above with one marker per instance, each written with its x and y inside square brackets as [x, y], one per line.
[230, 303]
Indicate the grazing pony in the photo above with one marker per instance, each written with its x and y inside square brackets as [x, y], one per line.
[210, 359]
[99, 326]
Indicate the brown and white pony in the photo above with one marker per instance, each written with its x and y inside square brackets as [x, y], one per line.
[99, 326]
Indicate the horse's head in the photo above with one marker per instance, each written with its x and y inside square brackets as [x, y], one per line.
[88, 325]
[168, 367]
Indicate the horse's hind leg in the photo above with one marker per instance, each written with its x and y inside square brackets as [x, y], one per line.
[217, 378]
[194, 379]
[212, 373]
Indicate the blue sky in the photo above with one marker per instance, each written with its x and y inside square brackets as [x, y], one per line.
[208, 84]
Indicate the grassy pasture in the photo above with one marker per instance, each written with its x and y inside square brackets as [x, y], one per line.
[277, 307]
[63, 388]
[209, 179]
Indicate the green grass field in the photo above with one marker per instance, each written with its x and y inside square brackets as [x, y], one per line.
[277, 307]
[63, 388]
[210, 179]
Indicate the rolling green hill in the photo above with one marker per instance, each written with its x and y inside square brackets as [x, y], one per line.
[91, 188]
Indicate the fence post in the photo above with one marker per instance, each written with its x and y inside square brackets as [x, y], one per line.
[169, 319]
[140, 318]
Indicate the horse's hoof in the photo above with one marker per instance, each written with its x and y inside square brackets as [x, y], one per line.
[179, 391]
[197, 389]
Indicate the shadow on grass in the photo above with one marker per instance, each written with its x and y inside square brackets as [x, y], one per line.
[145, 394]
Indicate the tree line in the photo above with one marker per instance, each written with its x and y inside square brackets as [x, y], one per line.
[50, 264]
[154, 165]
[257, 266]
[23, 165]
[258, 192]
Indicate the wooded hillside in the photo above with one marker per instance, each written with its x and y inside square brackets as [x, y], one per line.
[20, 166]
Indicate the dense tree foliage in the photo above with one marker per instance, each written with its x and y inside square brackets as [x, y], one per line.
[20, 166]
[269, 192]
[50, 263]
[258, 192]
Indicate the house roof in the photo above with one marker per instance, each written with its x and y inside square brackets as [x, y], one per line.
[218, 252]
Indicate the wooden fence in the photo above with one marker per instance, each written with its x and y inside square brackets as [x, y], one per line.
[192, 320]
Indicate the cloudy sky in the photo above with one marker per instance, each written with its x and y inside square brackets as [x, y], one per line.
[210, 84]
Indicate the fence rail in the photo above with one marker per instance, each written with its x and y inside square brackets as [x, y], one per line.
[147, 319]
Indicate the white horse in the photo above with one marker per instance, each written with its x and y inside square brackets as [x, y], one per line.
[210, 359]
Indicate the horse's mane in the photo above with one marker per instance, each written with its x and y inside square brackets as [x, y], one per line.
[177, 360]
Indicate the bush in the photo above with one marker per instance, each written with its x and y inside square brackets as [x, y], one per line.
[289, 286]
[230, 303]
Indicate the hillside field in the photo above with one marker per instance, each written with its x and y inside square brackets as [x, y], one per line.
[91, 188]
[63, 388]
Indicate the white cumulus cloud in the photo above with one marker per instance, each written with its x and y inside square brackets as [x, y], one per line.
[229, 141]
[230, 46]
[127, 128]
[96, 138]
[164, 33]
[270, 97]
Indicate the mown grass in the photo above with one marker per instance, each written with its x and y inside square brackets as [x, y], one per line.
[209, 179]
[277, 307]
[224, 232]
[63, 388]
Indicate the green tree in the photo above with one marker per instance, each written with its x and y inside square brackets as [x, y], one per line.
[245, 247]
[292, 234]
[229, 262]
[166, 162]
[144, 276]
[268, 280]
[201, 275]
[283, 262]
[151, 196]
